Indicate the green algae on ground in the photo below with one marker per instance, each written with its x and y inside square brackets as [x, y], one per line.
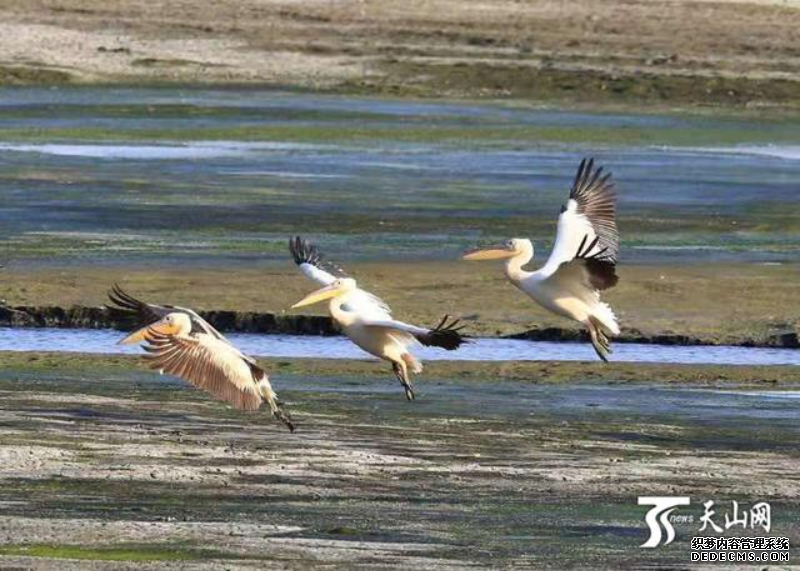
[118, 552]
[33, 75]
[785, 132]
[513, 81]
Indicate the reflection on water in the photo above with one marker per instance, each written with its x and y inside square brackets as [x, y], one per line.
[105, 341]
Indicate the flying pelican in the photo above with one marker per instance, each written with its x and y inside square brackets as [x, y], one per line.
[367, 320]
[181, 343]
[582, 263]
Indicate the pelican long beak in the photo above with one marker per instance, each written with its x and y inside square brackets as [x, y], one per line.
[498, 252]
[140, 335]
[316, 296]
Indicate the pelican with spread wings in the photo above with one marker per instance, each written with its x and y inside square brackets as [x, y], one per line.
[582, 263]
[180, 342]
[367, 320]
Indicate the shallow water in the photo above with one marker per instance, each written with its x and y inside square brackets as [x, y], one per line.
[131, 175]
[482, 349]
[508, 400]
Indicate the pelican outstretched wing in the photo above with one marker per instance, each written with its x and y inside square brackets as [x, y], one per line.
[216, 367]
[208, 364]
[587, 239]
[147, 313]
[313, 265]
[446, 335]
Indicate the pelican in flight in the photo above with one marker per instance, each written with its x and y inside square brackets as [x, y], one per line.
[367, 320]
[181, 343]
[582, 263]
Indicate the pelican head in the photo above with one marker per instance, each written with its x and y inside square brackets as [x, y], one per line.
[503, 251]
[338, 288]
[175, 323]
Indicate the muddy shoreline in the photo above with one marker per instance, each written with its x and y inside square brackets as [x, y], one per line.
[731, 55]
[107, 466]
[82, 317]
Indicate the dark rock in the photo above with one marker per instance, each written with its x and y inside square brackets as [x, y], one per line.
[628, 336]
[788, 340]
[551, 334]
[109, 318]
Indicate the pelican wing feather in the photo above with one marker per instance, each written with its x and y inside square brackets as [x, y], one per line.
[313, 265]
[446, 335]
[587, 238]
[148, 313]
[209, 364]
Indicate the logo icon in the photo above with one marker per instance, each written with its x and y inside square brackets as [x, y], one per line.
[658, 517]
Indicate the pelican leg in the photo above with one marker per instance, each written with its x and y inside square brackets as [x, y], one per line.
[604, 340]
[275, 405]
[283, 416]
[401, 371]
[600, 341]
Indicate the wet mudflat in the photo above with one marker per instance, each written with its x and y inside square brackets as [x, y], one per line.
[208, 177]
[109, 469]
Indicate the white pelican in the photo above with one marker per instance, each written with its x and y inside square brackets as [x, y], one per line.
[583, 260]
[367, 320]
[182, 343]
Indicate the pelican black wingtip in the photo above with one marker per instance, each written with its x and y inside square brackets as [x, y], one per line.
[445, 335]
[303, 251]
